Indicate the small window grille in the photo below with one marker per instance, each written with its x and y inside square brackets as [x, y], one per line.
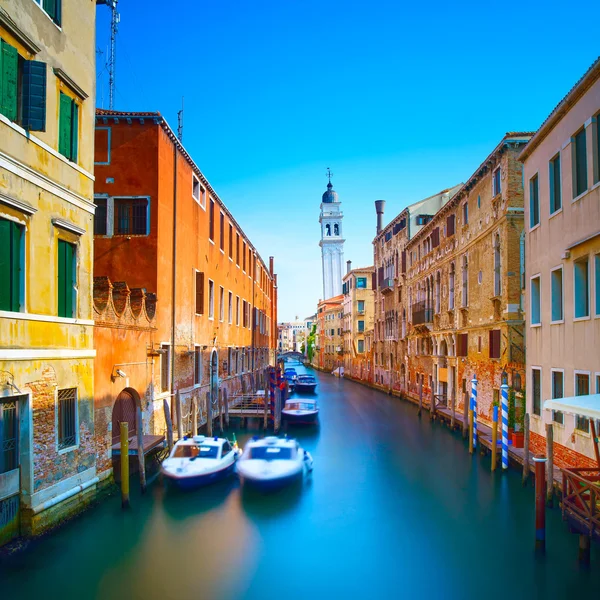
[67, 418]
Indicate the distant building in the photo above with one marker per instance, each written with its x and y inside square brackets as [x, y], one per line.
[358, 308]
[329, 351]
[290, 336]
[47, 101]
[332, 243]
[562, 268]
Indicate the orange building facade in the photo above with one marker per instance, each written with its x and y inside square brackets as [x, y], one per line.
[162, 228]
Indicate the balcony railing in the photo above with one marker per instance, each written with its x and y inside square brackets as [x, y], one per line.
[421, 314]
[387, 285]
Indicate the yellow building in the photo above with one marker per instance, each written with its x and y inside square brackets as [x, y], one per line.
[47, 91]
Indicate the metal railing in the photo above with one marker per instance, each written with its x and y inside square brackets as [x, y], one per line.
[581, 498]
[421, 313]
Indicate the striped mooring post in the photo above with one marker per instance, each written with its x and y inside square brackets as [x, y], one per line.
[474, 407]
[504, 390]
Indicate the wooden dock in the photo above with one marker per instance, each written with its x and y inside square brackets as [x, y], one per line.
[150, 442]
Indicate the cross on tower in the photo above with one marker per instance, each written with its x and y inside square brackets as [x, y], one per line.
[329, 174]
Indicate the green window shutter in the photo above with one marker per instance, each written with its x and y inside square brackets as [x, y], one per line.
[34, 95]
[65, 279]
[581, 163]
[10, 265]
[52, 7]
[65, 119]
[9, 65]
[74, 131]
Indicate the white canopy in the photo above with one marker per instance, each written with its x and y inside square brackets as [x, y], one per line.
[584, 406]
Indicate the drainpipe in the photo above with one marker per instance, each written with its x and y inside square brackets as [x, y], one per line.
[65, 495]
[174, 277]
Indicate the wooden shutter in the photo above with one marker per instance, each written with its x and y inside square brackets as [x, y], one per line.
[462, 344]
[65, 118]
[494, 343]
[450, 225]
[380, 276]
[9, 63]
[10, 265]
[34, 95]
[199, 293]
[404, 261]
[581, 162]
[65, 279]
[435, 237]
[373, 281]
[74, 131]
[52, 7]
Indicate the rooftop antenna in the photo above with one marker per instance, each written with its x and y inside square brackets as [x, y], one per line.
[114, 26]
[180, 122]
[329, 174]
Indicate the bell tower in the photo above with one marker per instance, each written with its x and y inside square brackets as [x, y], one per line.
[332, 242]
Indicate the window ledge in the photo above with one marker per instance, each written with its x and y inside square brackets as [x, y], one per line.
[555, 213]
[578, 198]
[560, 322]
[8, 24]
[60, 74]
[535, 325]
[576, 319]
[536, 226]
[67, 450]
[584, 434]
[211, 241]
[7, 314]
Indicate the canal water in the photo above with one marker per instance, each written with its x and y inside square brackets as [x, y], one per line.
[395, 508]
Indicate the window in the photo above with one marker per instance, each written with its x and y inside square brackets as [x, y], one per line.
[9, 434]
[197, 365]
[221, 303]
[558, 392]
[462, 344]
[237, 249]
[534, 202]
[244, 313]
[361, 306]
[465, 282]
[451, 287]
[596, 121]
[11, 268]
[536, 386]
[597, 281]
[496, 187]
[556, 277]
[361, 283]
[67, 418]
[195, 188]
[165, 367]
[211, 299]
[222, 232]
[202, 196]
[578, 144]
[100, 216]
[230, 309]
[52, 8]
[466, 213]
[582, 288]
[68, 127]
[131, 216]
[230, 241]
[199, 293]
[582, 388]
[237, 310]
[361, 346]
[535, 301]
[497, 266]
[450, 225]
[555, 185]
[66, 278]
[211, 220]
[244, 256]
[479, 344]
[478, 201]
[361, 326]
[494, 343]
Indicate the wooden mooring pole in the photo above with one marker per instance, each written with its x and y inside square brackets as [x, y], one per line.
[169, 424]
[453, 415]
[194, 416]
[540, 503]
[124, 464]
[226, 404]
[494, 437]
[465, 424]
[550, 465]
[178, 414]
[526, 449]
[584, 549]
[420, 395]
[221, 410]
[471, 448]
[209, 415]
[140, 452]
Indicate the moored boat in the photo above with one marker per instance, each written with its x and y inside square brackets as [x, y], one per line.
[199, 460]
[306, 383]
[291, 377]
[301, 411]
[272, 463]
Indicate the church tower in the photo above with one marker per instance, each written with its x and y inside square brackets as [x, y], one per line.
[332, 242]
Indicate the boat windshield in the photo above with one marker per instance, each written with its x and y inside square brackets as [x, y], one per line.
[189, 451]
[306, 379]
[271, 453]
[299, 406]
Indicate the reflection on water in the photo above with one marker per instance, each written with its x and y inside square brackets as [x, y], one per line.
[394, 508]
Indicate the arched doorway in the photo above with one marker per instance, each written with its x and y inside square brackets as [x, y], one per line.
[125, 410]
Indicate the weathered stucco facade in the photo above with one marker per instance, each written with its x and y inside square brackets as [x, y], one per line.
[562, 250]
[328, 350]
[47, 467]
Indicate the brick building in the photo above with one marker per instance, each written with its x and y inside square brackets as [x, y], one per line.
[463, 287]
[47, 97]
[357, 286]
[161, 227]
[562, 250]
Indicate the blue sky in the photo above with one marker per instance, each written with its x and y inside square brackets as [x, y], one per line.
[401, 100]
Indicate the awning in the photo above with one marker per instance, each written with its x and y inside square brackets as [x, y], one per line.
[584, 406]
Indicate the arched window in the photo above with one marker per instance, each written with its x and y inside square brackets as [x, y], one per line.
[465, 281]
[438, 285]
[328, 229]
[497, 266]
[451, 290]
[336, 229]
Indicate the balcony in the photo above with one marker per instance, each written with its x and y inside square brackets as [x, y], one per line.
[387, 285]
[422, 314]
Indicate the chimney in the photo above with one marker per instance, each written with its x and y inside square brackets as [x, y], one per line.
[348, 266]
[271, 261]
[379, 208]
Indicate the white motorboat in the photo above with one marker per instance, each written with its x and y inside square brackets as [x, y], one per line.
[273, 462]
[306, 383]
[303, 411]
[199, 460]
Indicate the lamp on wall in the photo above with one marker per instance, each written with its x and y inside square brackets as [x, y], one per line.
[504, 377]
